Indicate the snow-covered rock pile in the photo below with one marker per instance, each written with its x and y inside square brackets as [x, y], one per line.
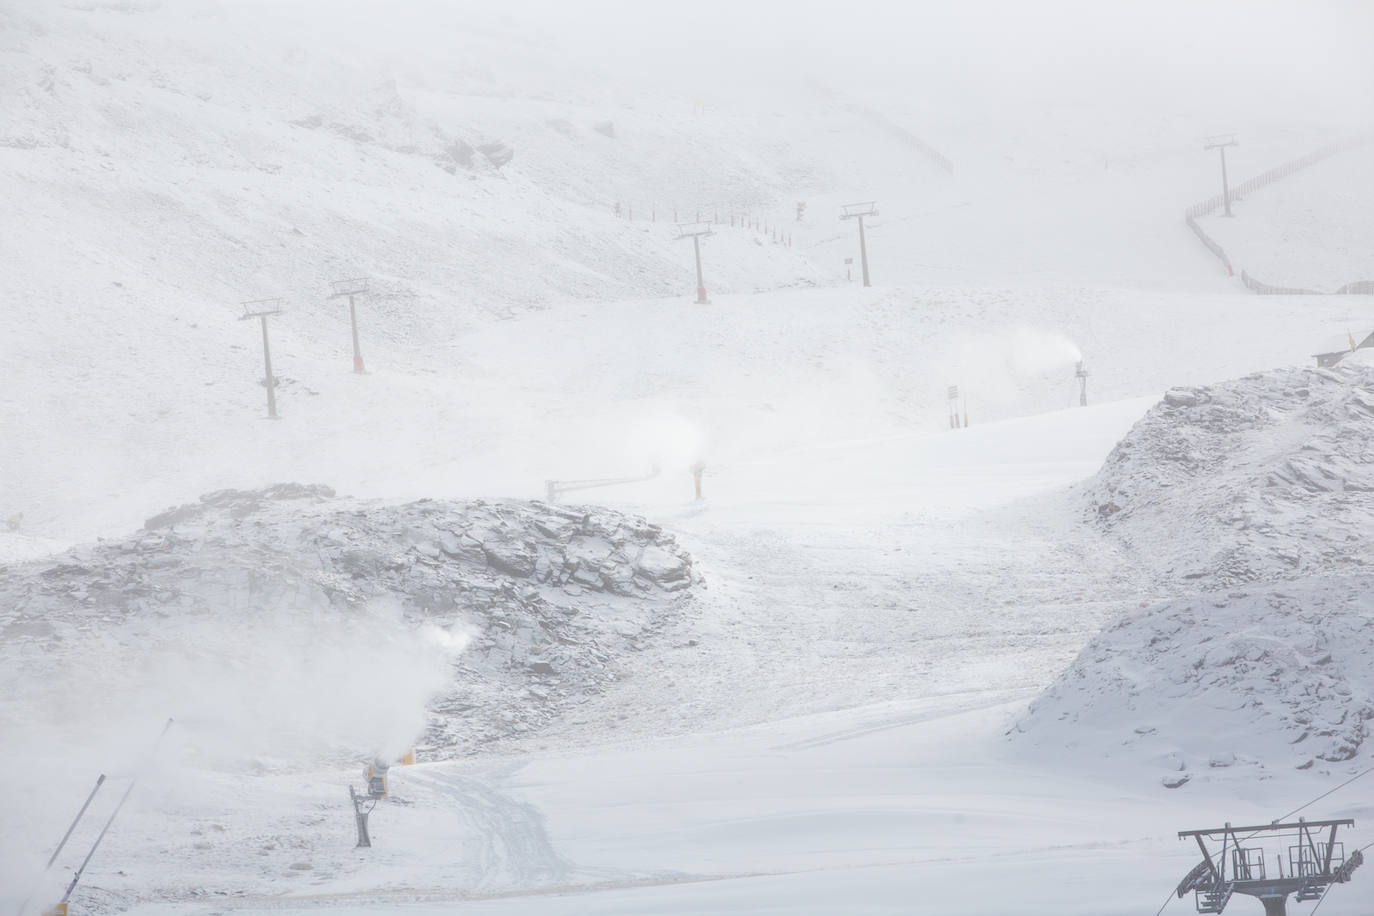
[1267, 477]
[1279, 676]
[1253, 503]
[544, 598]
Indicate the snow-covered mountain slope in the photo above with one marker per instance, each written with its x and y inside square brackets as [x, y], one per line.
[1311, 230]
[816, 727]
[167, 161]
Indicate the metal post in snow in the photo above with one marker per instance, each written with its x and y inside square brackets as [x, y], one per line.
[701, 284]
[863, 252]
[66, 836]
[264, 309]
[104, 830]
[354, 286]
[696, 231]
[1220, 142]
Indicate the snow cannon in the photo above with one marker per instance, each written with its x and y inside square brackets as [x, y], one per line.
[408, 758]
[57, 909]
[376, 777]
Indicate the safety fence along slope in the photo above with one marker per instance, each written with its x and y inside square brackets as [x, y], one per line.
[1264, 179]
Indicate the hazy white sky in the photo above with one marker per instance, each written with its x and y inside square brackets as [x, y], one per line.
[1261, 53]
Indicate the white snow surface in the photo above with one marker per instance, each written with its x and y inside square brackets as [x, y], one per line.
[881, 666]
[1312, 230]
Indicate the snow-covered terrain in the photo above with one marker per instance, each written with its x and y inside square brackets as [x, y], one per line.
[1307, 231]
[879, 665]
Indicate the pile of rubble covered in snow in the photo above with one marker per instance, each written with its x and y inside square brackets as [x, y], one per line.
[1252, 503]
[546, 598]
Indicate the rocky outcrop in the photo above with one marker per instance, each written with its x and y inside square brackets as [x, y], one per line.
[553, 595]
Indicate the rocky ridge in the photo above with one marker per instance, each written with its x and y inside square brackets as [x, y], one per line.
[1267, 477]
[551, 596]
[1252, 504]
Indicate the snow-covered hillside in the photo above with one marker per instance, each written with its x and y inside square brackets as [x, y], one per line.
[789, 690]
[1309, 231]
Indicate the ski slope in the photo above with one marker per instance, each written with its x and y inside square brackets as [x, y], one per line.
[828, 719]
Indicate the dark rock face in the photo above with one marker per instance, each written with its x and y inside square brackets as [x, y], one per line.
[551, 595]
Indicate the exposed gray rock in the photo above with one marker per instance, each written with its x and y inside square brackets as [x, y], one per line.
[554, 594]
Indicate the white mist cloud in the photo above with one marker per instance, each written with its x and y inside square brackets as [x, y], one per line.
[1018, 366]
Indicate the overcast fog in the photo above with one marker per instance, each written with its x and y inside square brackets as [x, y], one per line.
[626, 457]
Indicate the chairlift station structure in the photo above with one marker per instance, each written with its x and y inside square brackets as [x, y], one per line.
[1315, 861]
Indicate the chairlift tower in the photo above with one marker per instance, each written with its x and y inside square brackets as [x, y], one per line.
[356, 286]
[1240, 864]
[264, 309]
[1220, 142]
[696, 232]
[859, 211]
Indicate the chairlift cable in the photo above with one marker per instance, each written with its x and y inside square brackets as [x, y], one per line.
[1163, 905]
[1328, 792]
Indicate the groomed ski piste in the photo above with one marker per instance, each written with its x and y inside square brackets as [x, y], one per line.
[881, 665]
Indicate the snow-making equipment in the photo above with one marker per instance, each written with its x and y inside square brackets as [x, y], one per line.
[376, 778]
[696, 232]
[859, 211]
[1081, 375]
[1306, 856]
[355, 286]
[60, 908]
[264, 309]
[360, 817]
